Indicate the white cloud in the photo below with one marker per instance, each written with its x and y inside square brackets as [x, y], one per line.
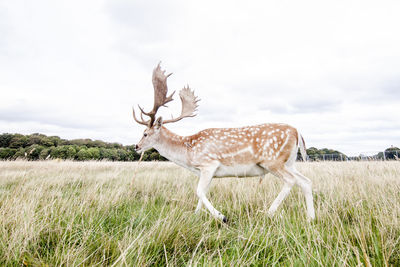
[74, 69]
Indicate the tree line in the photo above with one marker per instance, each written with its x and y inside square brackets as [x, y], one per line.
[315, 154]
[389, 153]
[41, 147]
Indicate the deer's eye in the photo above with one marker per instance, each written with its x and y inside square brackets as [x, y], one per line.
[145, 134]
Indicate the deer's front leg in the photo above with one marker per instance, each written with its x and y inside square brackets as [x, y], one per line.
[206, 176]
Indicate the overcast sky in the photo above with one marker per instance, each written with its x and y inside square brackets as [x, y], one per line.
[329, 68]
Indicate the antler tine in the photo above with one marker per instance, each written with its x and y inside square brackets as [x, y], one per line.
[189, 104]
[139, 121]
[141, 112]
[150, 114]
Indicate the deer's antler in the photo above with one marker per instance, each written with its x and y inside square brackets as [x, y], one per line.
[142, 121]
[160, 96]
[189, 100]
[189, 104]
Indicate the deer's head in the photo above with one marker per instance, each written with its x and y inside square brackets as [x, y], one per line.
[152, 133]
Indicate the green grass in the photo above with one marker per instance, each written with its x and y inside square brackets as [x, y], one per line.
[95, 213]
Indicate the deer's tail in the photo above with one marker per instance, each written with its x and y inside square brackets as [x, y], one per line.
[302, 146]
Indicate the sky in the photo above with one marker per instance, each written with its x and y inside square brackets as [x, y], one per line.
[329, 68]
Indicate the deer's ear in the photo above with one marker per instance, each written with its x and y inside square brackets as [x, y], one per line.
[158, 123]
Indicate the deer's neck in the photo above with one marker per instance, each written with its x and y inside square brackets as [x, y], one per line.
[173, 147]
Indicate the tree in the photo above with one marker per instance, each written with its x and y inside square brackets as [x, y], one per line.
[105, 153]
[154, 156]
[122, 155]
[18, 141]
[113, 154]
[392, 153]
[94, 153]
[83, 154]
[33, 151]
[5, 139]
[53, 141]
[99, 143]
[44, 153]
[132, 154]
[71, 151]
[63, 152]
[20, 154]
[114, 145]
[35, 139]
[324, 154]
[7, 153]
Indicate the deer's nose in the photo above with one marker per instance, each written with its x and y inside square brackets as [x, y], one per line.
[136, 147]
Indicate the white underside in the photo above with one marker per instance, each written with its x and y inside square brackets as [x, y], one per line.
[240, 171]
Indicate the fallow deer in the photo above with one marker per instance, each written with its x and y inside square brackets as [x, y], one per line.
[224, 152]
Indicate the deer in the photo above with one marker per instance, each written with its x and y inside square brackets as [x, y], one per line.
[251, 151]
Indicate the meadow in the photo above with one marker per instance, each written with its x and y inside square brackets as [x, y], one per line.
[99, 214]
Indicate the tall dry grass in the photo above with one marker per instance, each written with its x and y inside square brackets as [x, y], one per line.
[90, 213]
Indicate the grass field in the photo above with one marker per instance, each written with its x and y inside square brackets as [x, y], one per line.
[90, 213]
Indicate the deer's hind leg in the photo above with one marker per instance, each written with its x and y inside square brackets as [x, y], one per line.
[306, 186]
[289, 180]
[291, 176]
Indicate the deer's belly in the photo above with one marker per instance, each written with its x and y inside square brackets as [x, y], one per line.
[239, 170]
